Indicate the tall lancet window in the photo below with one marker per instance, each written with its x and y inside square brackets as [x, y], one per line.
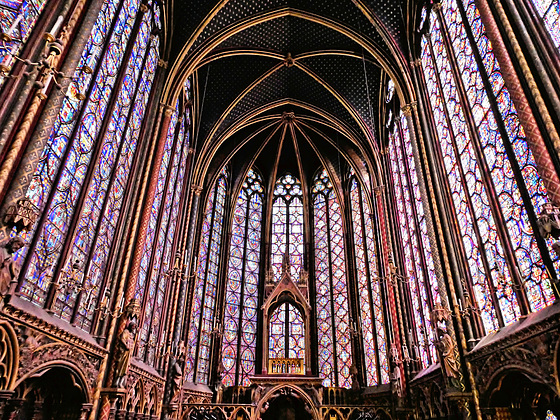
[333, 320]
[204, 297]
[157, 259]
[82, 177]
[369, 289]
[417, 254]
[287, 333]
[491, 172]
[287, 226]
[240, 320]
[17, 19]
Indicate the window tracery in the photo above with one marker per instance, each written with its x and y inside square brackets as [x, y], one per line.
[157, 260]
[333, 318]
[202, 319]
[287, 226]
[241, 305]
[416, 247]
[369, 289]
[80, 180]
[479, 133]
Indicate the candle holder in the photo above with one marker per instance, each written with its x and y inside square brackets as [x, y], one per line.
[45, 69]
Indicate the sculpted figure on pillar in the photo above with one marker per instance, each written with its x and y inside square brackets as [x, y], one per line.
[9, 270]
[123, 351]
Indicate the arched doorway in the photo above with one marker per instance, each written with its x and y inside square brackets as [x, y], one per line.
[286, 407]
[517, 397]
[53, 394]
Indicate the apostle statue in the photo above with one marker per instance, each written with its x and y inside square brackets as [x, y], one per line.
[446, 348]
[123, 353]
[9, 270]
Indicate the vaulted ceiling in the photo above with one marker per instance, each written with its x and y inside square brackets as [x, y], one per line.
[290, 85]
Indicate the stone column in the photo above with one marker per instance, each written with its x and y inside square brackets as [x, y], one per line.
[535, 140]
[28, 164]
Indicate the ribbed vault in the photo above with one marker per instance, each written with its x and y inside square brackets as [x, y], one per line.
[254, 62]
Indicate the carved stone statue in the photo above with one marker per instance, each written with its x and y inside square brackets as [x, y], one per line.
[354, 376]
[396, 382]
[446, 349]
[123, 351]
[9, 270]
[219, 386]
[177, 371]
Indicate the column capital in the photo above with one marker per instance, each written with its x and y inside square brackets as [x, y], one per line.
[197, 189]
[408, 108]
[166, 109]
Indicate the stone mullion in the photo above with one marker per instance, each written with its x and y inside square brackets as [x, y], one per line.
[178, 278]
[64, 158]
[142, 217]
[510, 153]
[264, 256]
[132, 185]
[124, 288]
[475, 226]
[226, 262]
[539, 46]
[422, 145]
[486, 174]
[370, 279]
[442, 286]
[409, 229]
[329, 256]
[203, 299]
[312, 293]
[416, 223]
[192, 243]
[180, 250]
[221, 283]
[182, 245]
[70, 236]
[408, 318]
[94, 159]
[287, 306]
[152, 258]
[358, 350]
[441, 189]
[175, 188]
[535, 137]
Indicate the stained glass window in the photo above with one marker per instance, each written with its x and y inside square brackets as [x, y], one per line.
[418, 259]
[17, 19]
[206, 277]
[287, 226]
[495, 144]
[333, 319]
[369, 289]
[82, 175]
[156, 263]
[287, 333]
[240, 320]
[549, 11]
